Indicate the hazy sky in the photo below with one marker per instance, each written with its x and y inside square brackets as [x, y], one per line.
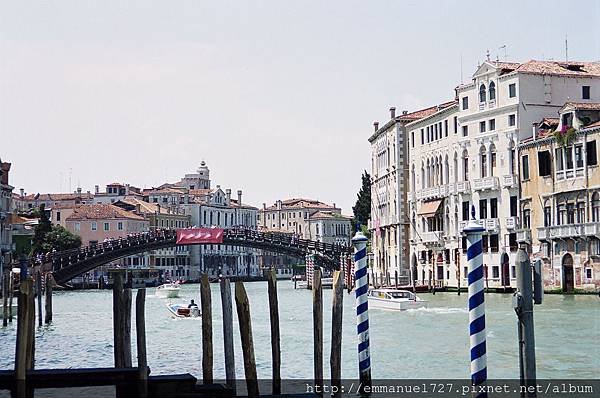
[278, 97]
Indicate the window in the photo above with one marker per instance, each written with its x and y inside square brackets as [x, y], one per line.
[512, 242]
[482, 127]
[465, 103]
[547, 215]
[588, 273]
[465, 211]
[592, 154]
[568, 158]
[512, 90]
[106, 226]
[58, 216]
[525, 162]
[494, 208]
[77, 226]
[512, 120]
[560, 166]
[483, 208]
[526, 218]
[465, 131]
[422, 136]
[585, 92]
[446, 127]
[463, 244]
[579, 156]
[412, 138]
[492, 91]
[94, 226]
[455, 124]
[544, 163]
[485, 243]
[494, 243]
[596, 207]
[482, 93]
[465, 166]
[513, 206]
[492, 124]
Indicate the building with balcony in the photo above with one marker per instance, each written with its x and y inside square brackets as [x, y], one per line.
[390, 228]
[560, 196]
[330, 227]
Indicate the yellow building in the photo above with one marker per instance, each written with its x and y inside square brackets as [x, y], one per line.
[560, 197]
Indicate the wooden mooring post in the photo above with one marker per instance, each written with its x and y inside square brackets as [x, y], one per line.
[38, 293]
[245, 324]
[275, 338]
[228, 333]
[318, 327]
[25, 330]
[11, 287]
[48, 293]
[207, 342]
[121, 321]
[5, 299]
[337, 307]
[140, 329]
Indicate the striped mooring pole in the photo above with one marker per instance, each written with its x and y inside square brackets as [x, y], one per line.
[362, 308]
[477, 335]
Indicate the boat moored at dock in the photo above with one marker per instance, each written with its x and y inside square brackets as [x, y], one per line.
[395, 299]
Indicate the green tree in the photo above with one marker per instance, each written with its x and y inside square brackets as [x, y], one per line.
[60, 239]
[362, 208]
[44, 226]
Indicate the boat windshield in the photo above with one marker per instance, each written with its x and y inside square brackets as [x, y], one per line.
[398, 295]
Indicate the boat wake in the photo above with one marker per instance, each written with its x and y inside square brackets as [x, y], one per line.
[439, 310]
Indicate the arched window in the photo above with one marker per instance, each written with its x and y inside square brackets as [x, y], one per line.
[492, 159]
[511, 157]
[455, 167]
[422, 175]
[596, 207]
[492, 91]
[465, 158]
[482, 93]
[483, 162]
[412, 179]
[526, 212]
[580, 209]
[428, 174]
[446, 171]
[547, 213]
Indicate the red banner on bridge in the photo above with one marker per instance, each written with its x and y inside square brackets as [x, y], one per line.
[193, 236]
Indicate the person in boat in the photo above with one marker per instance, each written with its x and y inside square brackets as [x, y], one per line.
[192, 304]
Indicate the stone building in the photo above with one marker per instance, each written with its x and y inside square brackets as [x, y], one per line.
[560, 197]
[330, 227]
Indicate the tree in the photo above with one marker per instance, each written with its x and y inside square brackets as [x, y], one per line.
[362, 208]
[44, 226]
[48, 237]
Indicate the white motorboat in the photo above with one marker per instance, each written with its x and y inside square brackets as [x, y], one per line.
[395, 299]
[183, 311]
[168, 290]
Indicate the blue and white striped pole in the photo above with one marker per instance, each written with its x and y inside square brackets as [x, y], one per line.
[476, 302]
[362, 308]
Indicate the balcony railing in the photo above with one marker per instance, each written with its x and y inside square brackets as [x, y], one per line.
[569, 231]
[492, 224]
[463, 224]
[512, 222]
[432, 193]
[524, 235]
[510, 181]
[432, 237]
[463, 187]
[486, 183]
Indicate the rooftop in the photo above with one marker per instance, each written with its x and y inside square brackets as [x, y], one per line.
[102, 212]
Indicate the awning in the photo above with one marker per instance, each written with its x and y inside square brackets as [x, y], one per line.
[429, 209]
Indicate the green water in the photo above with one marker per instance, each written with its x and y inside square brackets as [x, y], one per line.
[425, 343]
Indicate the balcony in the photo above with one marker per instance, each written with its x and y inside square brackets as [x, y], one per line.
[463, 224]
[432, 193]
[569, 231]
[512, 222]
[492, 224]
[432, 237]
[486, 183]
[510, 181]
[463, 187]
[524, 235]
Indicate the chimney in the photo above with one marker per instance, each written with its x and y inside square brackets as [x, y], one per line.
[239, 192]
[405, 112]
[126, 189]
[279, 205]
[157, 208]
[79, 191]
[264, 206]
[97, 189]
[376, 126]
[218, 187]
[392, 112]
[22, 192]
[334, 205]
[138, 208]
[228, 194]
[535, 127]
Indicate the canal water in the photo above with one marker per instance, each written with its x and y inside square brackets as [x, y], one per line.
[424, 343]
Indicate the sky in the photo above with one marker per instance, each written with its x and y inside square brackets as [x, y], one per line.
[278, 97]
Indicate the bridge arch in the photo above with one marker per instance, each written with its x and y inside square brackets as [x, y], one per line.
[73, 263]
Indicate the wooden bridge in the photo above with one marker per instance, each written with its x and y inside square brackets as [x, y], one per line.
[69, 264]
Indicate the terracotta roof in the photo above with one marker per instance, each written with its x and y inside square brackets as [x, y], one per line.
[506, 66]
[145, 207]
[58, 196]
[559, 68]
[327, 215]
[234, 203]
[163, 191]
[101, 211]
[593, 125]
[420, 114]
[301, 203]
[583, 105]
